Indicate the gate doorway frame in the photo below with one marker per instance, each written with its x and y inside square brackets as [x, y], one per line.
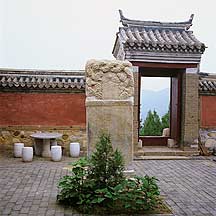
[175, 72]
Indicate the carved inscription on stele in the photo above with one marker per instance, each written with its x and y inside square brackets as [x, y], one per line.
[109, 80]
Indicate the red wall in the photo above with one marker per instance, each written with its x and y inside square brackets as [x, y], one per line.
[46, 109]
[208, 111]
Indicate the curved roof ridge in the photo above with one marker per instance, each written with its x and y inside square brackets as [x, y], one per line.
[138, 23]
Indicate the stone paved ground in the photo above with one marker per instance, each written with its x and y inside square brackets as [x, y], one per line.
[188, 186]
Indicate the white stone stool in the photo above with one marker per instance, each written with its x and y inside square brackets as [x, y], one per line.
[140, 144]
[27, 154]
[18, 149]
[171, 143]
[74, 149]
[56, 153]
[166, 132]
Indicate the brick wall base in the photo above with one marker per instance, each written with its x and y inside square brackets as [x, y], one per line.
[11, 134]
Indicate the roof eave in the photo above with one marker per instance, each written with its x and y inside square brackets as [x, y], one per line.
[159, 57]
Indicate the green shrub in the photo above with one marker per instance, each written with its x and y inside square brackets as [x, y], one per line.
[99, 182]
[106, 164]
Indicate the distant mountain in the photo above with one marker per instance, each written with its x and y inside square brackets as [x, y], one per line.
[154, 100]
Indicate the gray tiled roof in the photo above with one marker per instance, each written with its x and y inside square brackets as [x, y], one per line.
[160, 40]
[207, 85]
[136, 38]
[68, 80]
[173, 37]
[38, 79]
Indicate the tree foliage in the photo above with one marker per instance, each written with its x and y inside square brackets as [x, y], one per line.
[153, 125]
[165, 120]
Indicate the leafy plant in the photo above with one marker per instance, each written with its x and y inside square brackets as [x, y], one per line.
[138, 193]
[76, 189]
[98, 181]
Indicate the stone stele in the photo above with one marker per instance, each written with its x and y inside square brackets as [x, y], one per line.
[109, 104]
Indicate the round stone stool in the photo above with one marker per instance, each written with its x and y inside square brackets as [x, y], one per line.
[18, 149]
[74, 149]
[27, 154]
[171, 143]
[56, 153]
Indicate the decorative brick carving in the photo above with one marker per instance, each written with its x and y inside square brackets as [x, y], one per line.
[103, 76]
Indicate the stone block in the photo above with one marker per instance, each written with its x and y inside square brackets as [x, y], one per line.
[171, 143]
[166, 132]
[109, 104]
[210, 143]
[109, 80]
[114, 118]
[140, 144]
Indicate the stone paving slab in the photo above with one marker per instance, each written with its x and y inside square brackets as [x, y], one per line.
[188, 186]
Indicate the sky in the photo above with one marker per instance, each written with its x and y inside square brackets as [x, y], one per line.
[64, 34]
[154, 83]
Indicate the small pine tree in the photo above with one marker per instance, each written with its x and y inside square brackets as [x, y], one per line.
[165, 120]
[107, 164]
[152, 125]
[147, 125]
[157, 124]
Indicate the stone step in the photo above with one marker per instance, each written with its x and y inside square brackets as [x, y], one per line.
[162, 158]
[166, 153]
[191, 148]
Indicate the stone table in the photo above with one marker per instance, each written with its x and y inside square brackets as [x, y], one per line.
[43, 142]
